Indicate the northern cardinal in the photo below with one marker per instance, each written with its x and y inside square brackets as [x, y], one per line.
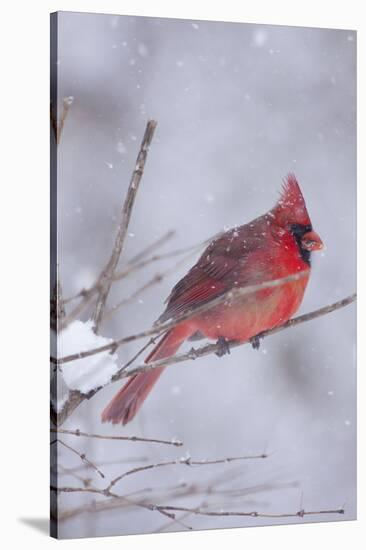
[275, 245]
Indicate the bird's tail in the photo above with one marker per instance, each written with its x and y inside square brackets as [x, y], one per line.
[126, 403]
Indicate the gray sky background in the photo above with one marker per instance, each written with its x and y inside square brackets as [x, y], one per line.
[238, 107]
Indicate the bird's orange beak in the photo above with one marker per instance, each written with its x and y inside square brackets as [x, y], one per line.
[311, 241]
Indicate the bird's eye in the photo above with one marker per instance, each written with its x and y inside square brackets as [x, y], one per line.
[299, 229]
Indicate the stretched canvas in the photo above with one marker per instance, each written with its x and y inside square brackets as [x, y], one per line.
[203, 223]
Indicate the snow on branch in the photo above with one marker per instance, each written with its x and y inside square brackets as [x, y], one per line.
[93, 371]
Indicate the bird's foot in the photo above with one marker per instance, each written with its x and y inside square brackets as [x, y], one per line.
[223, 347]
[256, 340]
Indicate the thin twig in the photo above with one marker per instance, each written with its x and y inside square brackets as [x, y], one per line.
[170, 510]
[180, 490]
[139, 352]
[153, 246]
[157, 278]
[103, 505]
[134, 264]
[82, 456]
[72, 473]
[76, 398]
[106, 277]
[158, 257]
[78, 433]
[230, 494]
[77, 490]
[75, 313]
[106, 493]
[89, 294]
[153, 281]
[115, 462]
[162, 528]
[254, 514]
[91, 507]
[187, 461]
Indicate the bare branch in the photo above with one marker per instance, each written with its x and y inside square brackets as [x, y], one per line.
[107, 493]
[228, 494]
[76, 398]
[187, 461]
[75, 313]
[89, 294]
[72, 473]
[103, 505]
[170, 510]
[153, 281]
[138, 353]
[115, 462]
[299, 513]
[78, 433]
[158, 257]
[153, 246]
[135, 263]
[179, 490]
[209, 349]
[82, 456]
[157, 278]
[106, 277]
[78, 490]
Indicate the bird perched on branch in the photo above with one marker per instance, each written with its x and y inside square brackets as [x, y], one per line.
[276, 245]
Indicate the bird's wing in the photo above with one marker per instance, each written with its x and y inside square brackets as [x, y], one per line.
[221, 267]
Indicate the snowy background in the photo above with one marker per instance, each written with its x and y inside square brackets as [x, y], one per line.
[238, 107]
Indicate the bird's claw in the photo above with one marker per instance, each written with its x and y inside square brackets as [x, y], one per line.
[256, 341]
[223, 347]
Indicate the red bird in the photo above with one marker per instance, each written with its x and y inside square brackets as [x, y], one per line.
[275, 245]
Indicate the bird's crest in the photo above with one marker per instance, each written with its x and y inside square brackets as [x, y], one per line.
[291, 207]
